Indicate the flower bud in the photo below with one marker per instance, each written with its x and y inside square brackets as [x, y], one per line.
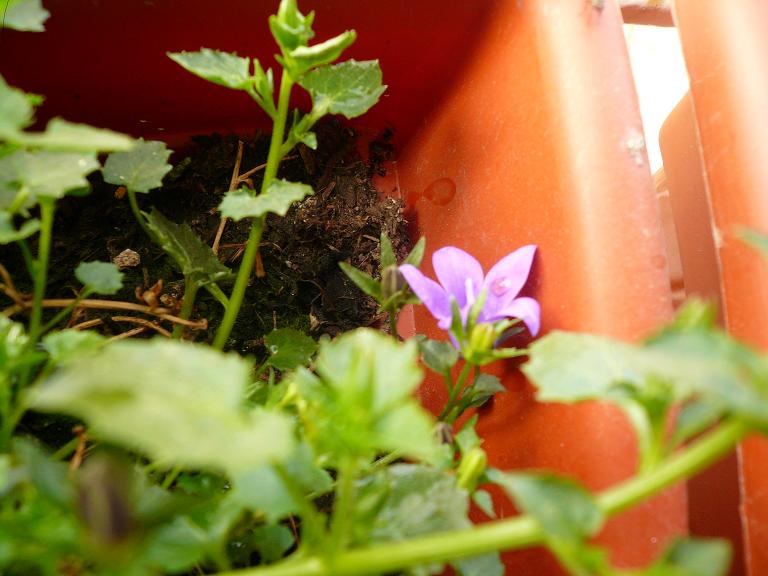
[392, 282]
[472, 466]
[482, 338]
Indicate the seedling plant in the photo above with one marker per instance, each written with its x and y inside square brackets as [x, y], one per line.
[318, 460]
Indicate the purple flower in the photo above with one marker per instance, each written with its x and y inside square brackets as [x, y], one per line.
[461, 279]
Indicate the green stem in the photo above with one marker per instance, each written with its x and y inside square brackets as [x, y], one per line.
[187, 306]
[216, 292]
[137, 213]
[393, 324]
[251, 249]
[29, 260]
[170, 478]
[519, 532]
[47, 211]
[344, 508]
[455, 394]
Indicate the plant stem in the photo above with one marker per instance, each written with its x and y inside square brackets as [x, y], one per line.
[216, 292]
[47, 211]
[518, 532]
[66, 310]
[249, 257]
[137, 213]
[455, 394]
[190, 291]
[343, 514]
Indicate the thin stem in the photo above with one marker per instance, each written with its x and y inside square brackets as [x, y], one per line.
[218, 293]
[393, 324]
[188, 305]
[137, 213]
[519, 532]
[455, 393]
[343, 514]
[29, 260]
[47, 211]
[251, 249]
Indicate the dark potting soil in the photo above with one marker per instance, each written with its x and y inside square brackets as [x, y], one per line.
[297, 282]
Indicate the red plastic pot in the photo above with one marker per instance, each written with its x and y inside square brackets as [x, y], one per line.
[515, 123]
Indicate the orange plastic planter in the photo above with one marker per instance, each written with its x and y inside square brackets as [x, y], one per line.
[726, 51]
[515, 122]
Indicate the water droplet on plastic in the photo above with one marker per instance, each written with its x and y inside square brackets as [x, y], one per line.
[440, 192]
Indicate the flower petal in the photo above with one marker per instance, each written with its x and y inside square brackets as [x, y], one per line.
[429, 292]
[453, 268]
[526, 309]
[506, 278]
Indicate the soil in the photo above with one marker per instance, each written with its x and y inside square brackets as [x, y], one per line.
[297, 282]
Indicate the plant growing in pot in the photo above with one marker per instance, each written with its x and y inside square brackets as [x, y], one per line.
[190, 461]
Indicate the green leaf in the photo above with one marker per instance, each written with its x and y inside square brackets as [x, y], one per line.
[24, 15]
[349, 88]
[177, 546]
[484, 501]
[565, 510]
[756, 239]
[101, 277]
[42, 173]
[278, 198]
[61, 135]
[16, 109]
[437, 355]
[289, 348]
[387, 252]
[361, 401]
[262, 490]
[694, 418]
[9, 233]
[483, 390]
[303, 58]
[290, 27]
[178, 403]
[467, 438]
[13, 343]
[222, 68]
[71, 345]
[194, 258]
[272, 541]
[362, 280]
[693, 557]
[416, 255]
[485, 565]
[141, 169]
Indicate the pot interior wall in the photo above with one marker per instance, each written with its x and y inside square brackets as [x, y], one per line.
[515, 123]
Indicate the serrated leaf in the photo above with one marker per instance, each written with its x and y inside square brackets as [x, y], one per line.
[303, 58]
[290, 27]
[222, 68]
[289, 348]
[43, 173]
[16, 110]
[71, 345]
[565, 510]
[140, 169]
[178, 403]
[362, 280]
[262, 490]
[101, 277]
[361, 401]
[24, 15]
[9, 233]
[349, 88]
[194, 258]
[693, 557]
[437, 355]
[64, 136]
[278, 198]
